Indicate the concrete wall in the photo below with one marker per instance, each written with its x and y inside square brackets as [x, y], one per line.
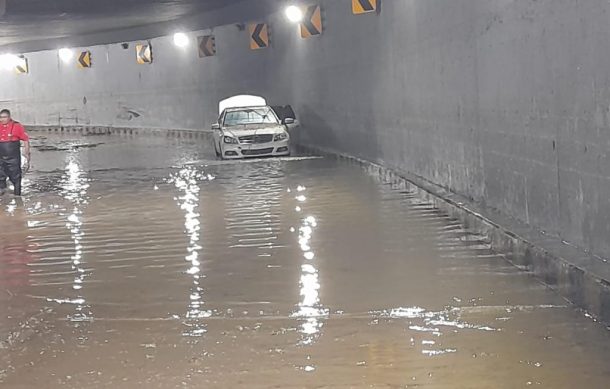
[179, 90]
[506, 102]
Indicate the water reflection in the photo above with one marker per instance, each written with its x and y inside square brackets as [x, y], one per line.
[389, 261]
[75, 184]
[432, 324]
[187, 181]
[252, 217]
[309, 308]
[17, 251]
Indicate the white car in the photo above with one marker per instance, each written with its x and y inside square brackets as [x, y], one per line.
[253, 131]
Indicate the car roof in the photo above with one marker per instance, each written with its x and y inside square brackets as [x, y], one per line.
[241, 100]
[248, 107]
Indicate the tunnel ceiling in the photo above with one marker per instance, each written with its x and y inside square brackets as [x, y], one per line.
[30, 25]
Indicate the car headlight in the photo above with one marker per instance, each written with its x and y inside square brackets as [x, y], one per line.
[280, 137]
[230, 140]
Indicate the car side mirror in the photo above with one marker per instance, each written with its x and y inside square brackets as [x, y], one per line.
[289, 121]
[215, 126]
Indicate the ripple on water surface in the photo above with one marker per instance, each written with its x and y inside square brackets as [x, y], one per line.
[145, 262]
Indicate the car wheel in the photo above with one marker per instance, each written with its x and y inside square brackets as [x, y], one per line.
[218, 155]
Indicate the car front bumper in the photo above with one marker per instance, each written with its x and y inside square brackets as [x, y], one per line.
[271, 149]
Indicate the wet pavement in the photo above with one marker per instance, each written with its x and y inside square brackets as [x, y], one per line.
[143, 262]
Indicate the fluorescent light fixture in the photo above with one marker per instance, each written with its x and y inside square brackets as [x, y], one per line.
[294, 14]
[65, 54]
[181, 39]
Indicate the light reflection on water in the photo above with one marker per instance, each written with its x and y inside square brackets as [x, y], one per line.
[17, 248]
[187, 182]
[11, 207]
[310, 309]
[431, 323]
[75, 184]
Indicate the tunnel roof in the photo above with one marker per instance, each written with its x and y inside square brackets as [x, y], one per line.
[32, 25]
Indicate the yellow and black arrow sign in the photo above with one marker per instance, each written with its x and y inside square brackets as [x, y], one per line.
[259, 36]
[21, 66]
[363, 6]
[312, 21]
[84, 60]
[207, 46]
[144, 54]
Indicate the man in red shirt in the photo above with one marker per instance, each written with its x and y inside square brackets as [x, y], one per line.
[12, 134]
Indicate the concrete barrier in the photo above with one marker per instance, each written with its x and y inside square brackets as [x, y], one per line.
[125, 131]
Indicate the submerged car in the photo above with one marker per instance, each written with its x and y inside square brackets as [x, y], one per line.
[252, 131]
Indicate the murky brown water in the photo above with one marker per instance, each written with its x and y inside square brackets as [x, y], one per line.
[142, 263]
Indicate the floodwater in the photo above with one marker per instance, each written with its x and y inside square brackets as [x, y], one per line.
[143, 262]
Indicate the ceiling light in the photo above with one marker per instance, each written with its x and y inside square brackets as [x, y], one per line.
[65, 54]
[8, 61]
[294, 14]
[181, 39]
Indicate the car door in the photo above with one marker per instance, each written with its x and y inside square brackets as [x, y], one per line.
[286, 112]
[217, 135]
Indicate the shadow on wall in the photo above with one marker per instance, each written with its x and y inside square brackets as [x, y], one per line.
[127, 113]
[315, 129]
[358, 136]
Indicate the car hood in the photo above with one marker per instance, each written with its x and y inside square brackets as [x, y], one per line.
[253, 129]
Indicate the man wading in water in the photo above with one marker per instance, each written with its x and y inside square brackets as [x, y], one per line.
[11, 135]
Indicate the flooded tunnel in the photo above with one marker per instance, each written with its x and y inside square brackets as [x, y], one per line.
[410, 196]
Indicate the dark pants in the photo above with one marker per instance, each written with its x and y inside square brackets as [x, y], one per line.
[10, 165]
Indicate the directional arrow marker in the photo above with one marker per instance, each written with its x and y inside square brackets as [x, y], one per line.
[144, 54]
[84, 60]
[259, 36]
[207, 46]
[312, 21]
[363, 6]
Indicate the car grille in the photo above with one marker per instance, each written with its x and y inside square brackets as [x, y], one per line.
[250, 139]
[258, 152]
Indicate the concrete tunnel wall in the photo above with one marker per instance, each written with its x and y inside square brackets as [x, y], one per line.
[179, 90]
[505, 102]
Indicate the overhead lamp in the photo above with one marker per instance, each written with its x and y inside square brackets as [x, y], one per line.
[181, 39]
[8, 61]
[65, 54]
[294, 14]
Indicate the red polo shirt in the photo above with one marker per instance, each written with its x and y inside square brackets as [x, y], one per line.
[13, 131]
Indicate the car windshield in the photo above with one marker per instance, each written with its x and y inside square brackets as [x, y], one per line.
[262, 115]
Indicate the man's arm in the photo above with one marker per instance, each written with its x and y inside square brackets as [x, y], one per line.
[26, 149]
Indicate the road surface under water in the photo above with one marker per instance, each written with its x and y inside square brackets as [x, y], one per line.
[143, 262]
